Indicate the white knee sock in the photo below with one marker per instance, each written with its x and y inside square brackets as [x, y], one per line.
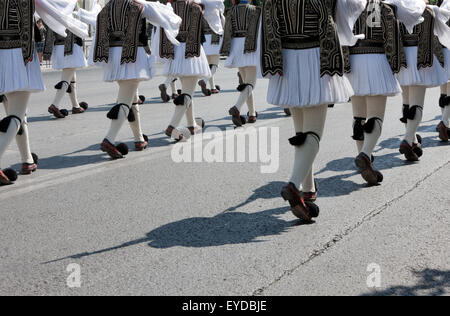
[212, 83]
[180, 111]
[16, 109]
[136, 125]
[308, 184]
[243, 97]
[376, 108]
[23, 143]
[251, 104]
[73, 94]
[66, 77]
[446, 116]
[127, 92]
[416, 102]
[190, 119]
[305, 154]
[360, 115]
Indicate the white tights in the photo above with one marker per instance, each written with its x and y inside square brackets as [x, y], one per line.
[372, 107]
[414, 96]
[307, 120]
[127, 94]
[68, 77]
[188, 87]
[249, 76]
[17, 103]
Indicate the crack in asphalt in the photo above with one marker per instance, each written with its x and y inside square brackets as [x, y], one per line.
[336, 239]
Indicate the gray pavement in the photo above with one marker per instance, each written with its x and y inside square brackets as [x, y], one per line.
[146, 225]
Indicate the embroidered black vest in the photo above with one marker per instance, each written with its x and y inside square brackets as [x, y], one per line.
[215, 38]
[382, 33]
[423, 37]
[300, 24]
[17, 27]
[190, 30]
[120, 24]
[242, 20]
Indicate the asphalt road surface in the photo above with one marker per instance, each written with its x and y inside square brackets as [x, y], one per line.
[147, 225]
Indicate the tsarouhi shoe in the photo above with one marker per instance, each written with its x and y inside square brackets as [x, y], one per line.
[408, 151]
[369, 174]
[306, 211]
[164, 96]
[28, 168]
[287, 112]
[78, 110]
[252, 118]
[216, 90]
[4, 180]
[140, 146]
[443, 132]
[236, 117]
[205, 89]
[172, 132]
[110, 149]
[311, 196]
[56, 112]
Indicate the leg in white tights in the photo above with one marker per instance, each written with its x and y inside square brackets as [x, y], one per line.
[73, 93]
[311, 121]
[188, 88]
[249, 77]
[17, 108]
[127, 92]
[376, 108]
[62, 87]
[415, 113]
[213, 61]
[22, 140]
[360, 118]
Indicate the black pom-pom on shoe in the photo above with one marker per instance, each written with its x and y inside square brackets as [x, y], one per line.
[11, 174]
[123, 149]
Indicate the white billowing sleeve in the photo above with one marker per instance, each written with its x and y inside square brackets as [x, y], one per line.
[162, 16]
[441, 29]
[409, 12]
[89, 17]
[57, 14]
[214, 14]
[347, 13]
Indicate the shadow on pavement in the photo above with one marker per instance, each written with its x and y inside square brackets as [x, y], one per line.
[227, 228]
[430, 282]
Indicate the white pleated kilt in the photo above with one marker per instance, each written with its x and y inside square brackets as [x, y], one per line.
[181, 66]
[211, 49]
[15, 76]
[447, 61]
[237, 57]
[430, 77]
[141, 70]
[301, 84]
[76, 60]
[371, 75]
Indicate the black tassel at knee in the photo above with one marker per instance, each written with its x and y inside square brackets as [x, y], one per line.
[370, 124]
[300, 138]
[131, 116]
[113, 114]
[358, 129]
[411, 115]
[59, 86]
[243, 86]
[2, 98]
[4, 124]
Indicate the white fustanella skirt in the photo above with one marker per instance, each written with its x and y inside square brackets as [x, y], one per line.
[76, 60]
[301, 84]
[211, 49]
[15, 76]
[412, 76]
[142, 69]
[237, 57]
[371, 75]
[181, 66]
